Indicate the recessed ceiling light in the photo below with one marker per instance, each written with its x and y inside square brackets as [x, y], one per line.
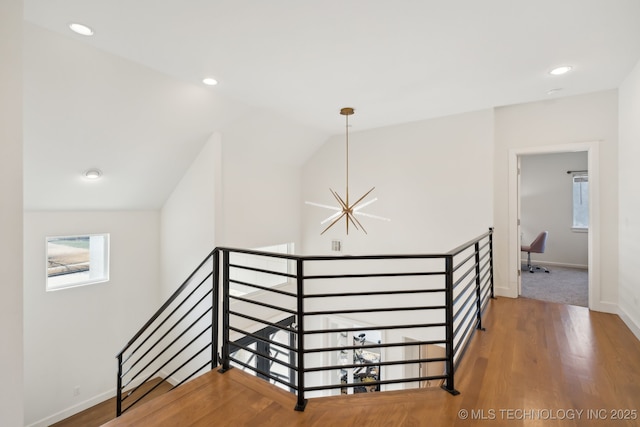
[81, 29]
[558, 71]
[209, 81]
[93, 174]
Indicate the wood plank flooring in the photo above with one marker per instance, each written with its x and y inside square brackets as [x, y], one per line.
[105, 411]
[537, 364]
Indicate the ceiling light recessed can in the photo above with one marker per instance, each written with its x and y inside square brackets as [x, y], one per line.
[93, 174]
[209, 81]
[558, 71]
[81, 29]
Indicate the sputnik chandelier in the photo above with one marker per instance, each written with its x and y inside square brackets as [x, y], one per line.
[345, 208]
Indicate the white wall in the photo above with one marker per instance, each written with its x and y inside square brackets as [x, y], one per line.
[261, 185]
[188, 218]
[432, 178]
[11, 323]
[71, 337]
[577, 119]
[546, 194]
[629, 179]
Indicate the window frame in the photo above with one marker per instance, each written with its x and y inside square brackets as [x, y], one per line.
[579, 228]
[99, 261]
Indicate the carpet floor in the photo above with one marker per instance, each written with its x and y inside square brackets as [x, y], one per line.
[561, 285]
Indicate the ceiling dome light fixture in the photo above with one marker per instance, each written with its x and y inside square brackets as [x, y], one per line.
[209, 81]
[558, 71]
[345, 208]
[81, 29]
[93, 174]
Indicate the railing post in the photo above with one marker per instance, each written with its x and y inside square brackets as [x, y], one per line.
[215, 312]
[449, 384]
[302, 402]
[225, 312]
[478, 289]
[119, 388]
[491, 261]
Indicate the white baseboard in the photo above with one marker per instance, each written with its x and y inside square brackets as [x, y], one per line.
[66, 413]
[555, 264]
[605, 307]
[629, 321]
[504, 292]
[86, 404]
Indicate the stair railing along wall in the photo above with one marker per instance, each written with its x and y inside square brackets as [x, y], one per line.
[318, 326]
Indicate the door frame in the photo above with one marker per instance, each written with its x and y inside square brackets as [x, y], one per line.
[593, 165]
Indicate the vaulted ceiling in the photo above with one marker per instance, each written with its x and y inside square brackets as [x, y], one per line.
[129, 99]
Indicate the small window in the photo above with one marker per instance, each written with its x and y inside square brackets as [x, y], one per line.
[77, 260]
[580, 202]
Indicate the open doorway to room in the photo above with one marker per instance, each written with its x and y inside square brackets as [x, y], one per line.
[554, 226]
[515, 227]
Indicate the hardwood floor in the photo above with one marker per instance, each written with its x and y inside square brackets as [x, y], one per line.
[105, 411]
[537, 364]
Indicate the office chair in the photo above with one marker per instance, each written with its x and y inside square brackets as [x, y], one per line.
[537, 247]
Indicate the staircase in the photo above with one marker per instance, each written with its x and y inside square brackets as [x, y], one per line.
[278, 316]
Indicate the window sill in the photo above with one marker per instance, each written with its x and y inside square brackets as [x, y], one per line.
[579, 230]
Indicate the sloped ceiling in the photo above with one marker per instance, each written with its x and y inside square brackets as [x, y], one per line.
[131, 96]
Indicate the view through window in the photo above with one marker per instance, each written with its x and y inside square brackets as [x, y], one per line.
[580, 201]
[77, 260]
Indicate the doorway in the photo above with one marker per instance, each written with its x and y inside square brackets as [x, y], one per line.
[554, 199]
[515, 230]
[424, 369]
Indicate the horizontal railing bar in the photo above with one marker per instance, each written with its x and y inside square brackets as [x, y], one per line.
[170, 375]
[256, 353]
[191, 376]
[168, 317]
[370, 383]
[470, 296]
[254, 369]
[261, 270]
[265, 322]
[171, 328]
[168, 302]
[471, 310]
[461, 278]
[263, 304]
[368, 328]
[464, 291]
[371, 346]
[264, 288]
[374, 310]
[484, 280]
[481, 247]
[466, 341]
[163, 365]
[259, 338]
[259, 253]
[471, 323]
[484, 255]
[358, 294]
[365, 365]
[464, 246]
[461, 263]
[486, 296]
[367, 275]
[167, 347]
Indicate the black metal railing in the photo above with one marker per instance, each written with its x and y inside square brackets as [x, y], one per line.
[178, 342]
[322, 325]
